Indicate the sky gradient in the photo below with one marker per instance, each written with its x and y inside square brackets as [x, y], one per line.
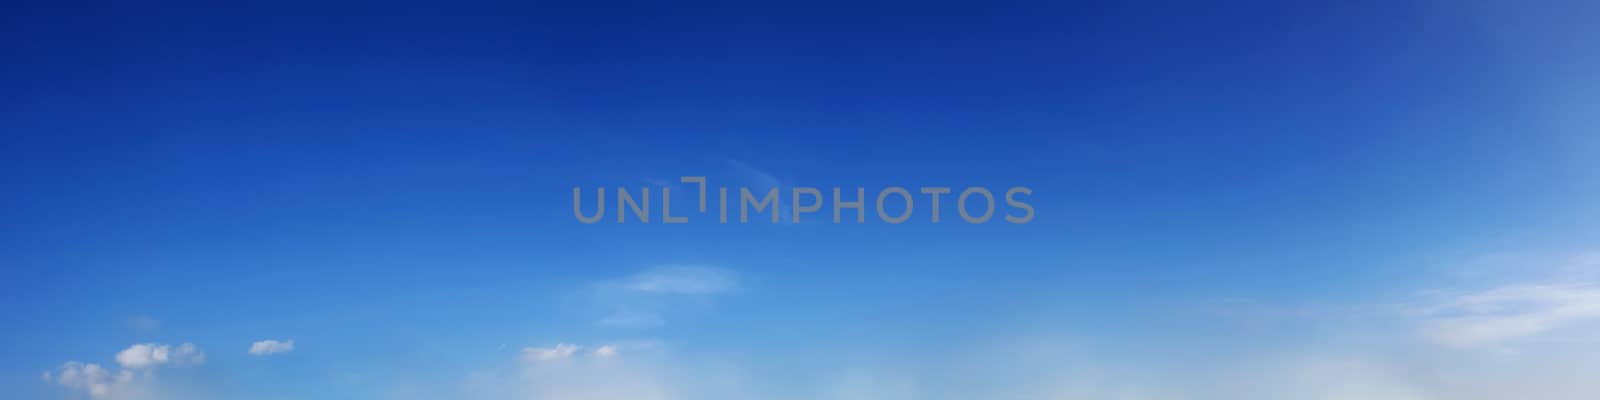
[1241, 200]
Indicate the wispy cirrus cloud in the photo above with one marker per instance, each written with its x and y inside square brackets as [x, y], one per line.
[681, 280]
[642, 299]
[562, 351]
[559, 352]
[1495, 316]
[1535, 295]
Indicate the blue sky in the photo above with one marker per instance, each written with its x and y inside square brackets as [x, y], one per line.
[1374, 200]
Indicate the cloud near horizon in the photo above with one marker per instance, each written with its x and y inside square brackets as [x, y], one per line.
[1507, 313]
[98, 382]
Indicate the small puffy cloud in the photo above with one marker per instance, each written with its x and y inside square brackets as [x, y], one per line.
[560, 352]
[146, 355]
[269, 346]
[606, 351]
[1506, 313]
[143, 356]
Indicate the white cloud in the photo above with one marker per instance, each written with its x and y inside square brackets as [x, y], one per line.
[560, 352]
[143, 356]
[269, 346]
[146, 355]
[92, 379]
[188, 354]
[565, 351]
[98, 382]
[1499, 315]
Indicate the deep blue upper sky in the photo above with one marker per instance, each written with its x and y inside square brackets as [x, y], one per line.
[370, 177]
